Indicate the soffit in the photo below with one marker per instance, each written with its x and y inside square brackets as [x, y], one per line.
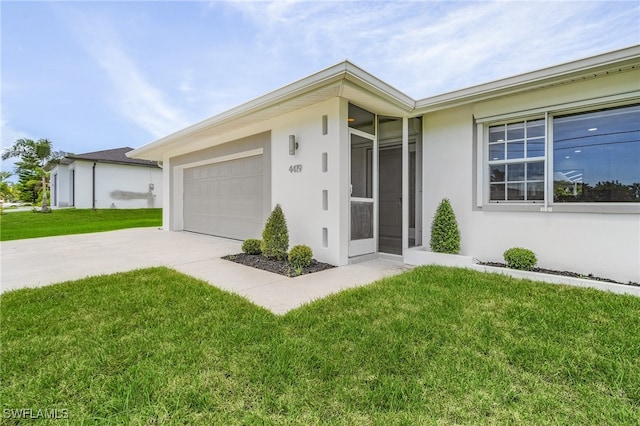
[363, 97]
[363, 89]
[273, 111]
[374, 101]
[343, 80]
[569, 73]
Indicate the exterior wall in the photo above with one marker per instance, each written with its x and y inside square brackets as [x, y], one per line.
[127, 187]
[117, 186]
[296, 181]
[300, 190]
[60, 189]
[602, 244]
[83, 184]
[226, 151]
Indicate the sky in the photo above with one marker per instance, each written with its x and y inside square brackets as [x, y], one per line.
[94, 75]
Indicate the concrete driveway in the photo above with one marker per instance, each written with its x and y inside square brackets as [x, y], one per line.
[43, 261]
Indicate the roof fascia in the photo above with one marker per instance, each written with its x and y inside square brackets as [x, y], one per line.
[347, 71]
[342, 71]
[121, 163]
[323, 77]
[373, 84]
[529, 80]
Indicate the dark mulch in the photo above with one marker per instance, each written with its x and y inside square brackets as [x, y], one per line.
[563, 273]
[281, 267]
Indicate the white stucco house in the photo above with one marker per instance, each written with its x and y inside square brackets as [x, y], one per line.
[548, 160]
[106, 179]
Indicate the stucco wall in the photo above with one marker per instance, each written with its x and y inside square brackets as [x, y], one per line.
[299, 190]
[83, 190]
[602, 244]
[60, 186]
[117, 186]
[298, 180]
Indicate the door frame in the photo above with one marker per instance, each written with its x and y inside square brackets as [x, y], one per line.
[369, 245]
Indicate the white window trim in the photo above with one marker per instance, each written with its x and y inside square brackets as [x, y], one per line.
[484, 188]
[548, 205]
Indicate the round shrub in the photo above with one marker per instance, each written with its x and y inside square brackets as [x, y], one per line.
[275, 236]
[300, 256]
[445, 235]
[520, 258]
[251, 246]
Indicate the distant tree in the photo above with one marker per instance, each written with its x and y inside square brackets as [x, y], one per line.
[7, 193]
[28, 174]
[34, 156]
[613, 190]
[605, 191]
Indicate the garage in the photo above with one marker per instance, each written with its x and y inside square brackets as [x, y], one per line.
[225, 198]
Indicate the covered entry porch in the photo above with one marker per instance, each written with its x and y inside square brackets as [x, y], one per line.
[385, 183]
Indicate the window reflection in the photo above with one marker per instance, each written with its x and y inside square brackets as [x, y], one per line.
[361, 119]
[597, 156]
[516, 161]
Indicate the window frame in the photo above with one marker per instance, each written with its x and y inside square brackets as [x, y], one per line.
[483, 189]
[510, 161]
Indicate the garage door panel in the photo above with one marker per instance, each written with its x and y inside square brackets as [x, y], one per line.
[225, 199]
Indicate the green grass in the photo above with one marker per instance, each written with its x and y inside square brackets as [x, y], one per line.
[431, 346]
[20, 225]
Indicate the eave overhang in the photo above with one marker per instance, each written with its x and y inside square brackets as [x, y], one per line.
[328, 83]
[349, 81]
[571, 72]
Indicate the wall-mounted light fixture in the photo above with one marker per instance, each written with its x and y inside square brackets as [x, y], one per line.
[293, 145]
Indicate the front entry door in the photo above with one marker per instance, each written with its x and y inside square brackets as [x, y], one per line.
[390, 200]
[363, 210]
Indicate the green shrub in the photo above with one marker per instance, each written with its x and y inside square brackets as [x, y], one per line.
[520, 258]
[251, 246]
[445, 236]
[275, 237]
[300, 256]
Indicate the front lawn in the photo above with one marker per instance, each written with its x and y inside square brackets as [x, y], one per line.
[20, 225]
[431, 346]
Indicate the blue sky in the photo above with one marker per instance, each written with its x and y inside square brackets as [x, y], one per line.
[93, 75]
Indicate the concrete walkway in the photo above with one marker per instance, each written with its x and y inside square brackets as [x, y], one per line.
[43, 261]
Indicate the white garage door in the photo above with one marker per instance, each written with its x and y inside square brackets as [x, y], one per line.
[225, 199]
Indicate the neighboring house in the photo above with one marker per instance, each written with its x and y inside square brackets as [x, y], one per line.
[548, 160]
[106, 179]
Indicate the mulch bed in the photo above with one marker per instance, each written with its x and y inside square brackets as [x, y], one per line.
[563, 273]
[281, 267]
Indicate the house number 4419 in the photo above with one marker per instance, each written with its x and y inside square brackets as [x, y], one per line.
[296, 168]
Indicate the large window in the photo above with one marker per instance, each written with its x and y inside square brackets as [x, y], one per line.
[516, 161]
[596, 156]
[593, 157]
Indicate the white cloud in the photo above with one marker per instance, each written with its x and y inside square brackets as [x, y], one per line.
[226, 53]
[135, 97]
[426, 48]
[486, 41]
[9, 136]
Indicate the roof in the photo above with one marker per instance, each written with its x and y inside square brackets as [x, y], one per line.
[352, 82]
[116, 156]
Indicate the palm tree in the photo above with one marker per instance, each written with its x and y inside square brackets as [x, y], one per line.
[6, 191]
[31, 152]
